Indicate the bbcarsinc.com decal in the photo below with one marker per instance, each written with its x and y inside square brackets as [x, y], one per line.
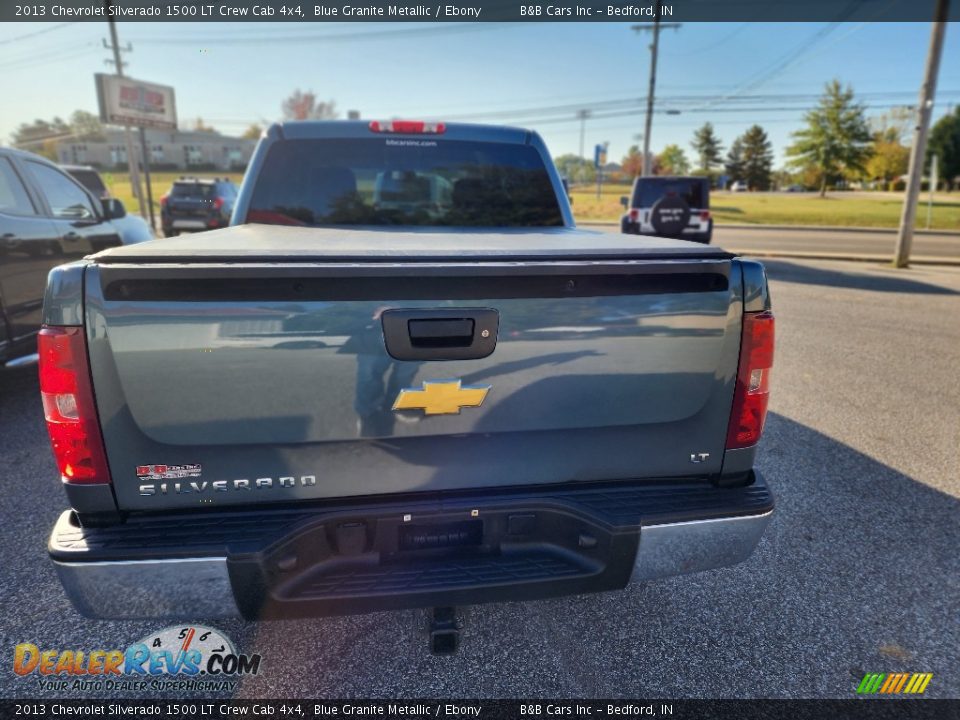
[190, 657]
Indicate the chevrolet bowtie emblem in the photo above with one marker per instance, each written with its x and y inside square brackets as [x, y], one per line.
[441, 397]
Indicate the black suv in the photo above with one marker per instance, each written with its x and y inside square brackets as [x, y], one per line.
[197, 204]
[674, 207]
[46, 218]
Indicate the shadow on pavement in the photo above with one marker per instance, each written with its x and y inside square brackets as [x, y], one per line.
[858, 572]
[784, 271]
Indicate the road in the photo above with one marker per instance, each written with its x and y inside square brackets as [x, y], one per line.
[858, 572]
[848, 242]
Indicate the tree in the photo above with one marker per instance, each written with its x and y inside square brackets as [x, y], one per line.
[836, 140]
[86, 126]
[782, 179]
[253, 132]
[200, 126]
[757, 158]
[895, 124]
[889, 161]
[40, 136]
[304, 106]
[945, 144]
[708, 148]
[734, 162]
[632, 162]
[39, 130]
[673, 161]
[575, 168]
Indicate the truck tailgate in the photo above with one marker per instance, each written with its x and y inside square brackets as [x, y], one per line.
[232, 377]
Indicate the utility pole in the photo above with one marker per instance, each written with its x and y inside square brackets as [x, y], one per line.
[582, 116]
[131, 155]
[932, 183]
[918, 151]
[654, 46]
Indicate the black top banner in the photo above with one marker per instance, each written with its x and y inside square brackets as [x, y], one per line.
[422, 709]
[295, 11]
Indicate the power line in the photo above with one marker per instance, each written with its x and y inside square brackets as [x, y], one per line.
[44, 31]
[782, 64]
[635, 112]
[32, 59]
[553, 115]
[707, 48]
[676, 103]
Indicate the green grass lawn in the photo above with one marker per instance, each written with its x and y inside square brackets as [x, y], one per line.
[845, 209]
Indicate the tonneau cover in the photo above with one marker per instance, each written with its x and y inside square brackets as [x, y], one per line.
[276, 243]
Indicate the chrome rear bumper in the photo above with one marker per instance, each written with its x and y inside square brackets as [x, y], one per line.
[188, 588]
[176, 588]
[687, 547]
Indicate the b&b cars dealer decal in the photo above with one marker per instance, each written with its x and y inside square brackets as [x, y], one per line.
[168, 472]
[185, 479]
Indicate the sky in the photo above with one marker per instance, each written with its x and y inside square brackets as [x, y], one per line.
[536, 75]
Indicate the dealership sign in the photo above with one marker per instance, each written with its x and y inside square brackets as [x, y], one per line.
[125, 101]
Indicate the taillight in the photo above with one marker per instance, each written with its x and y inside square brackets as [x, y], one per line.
[634, 215]
[163, 201]
[704, 215]
[217, 203]
[68, 406]
[753, 381]
[407, 126]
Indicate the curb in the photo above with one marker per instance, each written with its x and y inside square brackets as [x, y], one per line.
[797, 228]
[873, 258]
[836, 228]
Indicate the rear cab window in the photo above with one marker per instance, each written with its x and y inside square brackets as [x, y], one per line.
[403, 181]
[693, 191]
[91, 180]
[194, 190]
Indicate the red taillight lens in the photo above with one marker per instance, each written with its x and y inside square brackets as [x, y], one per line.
[163, 201]
[407, 126]
[217, 203]
[634, 215]
[704, 215]
[753, 381]
[68, 406]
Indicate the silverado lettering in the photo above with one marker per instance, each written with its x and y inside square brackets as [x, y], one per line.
[224, 485]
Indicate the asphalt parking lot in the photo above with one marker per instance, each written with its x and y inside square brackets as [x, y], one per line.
[859, 571]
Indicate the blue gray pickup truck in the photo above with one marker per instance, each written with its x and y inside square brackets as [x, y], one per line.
[401, 378]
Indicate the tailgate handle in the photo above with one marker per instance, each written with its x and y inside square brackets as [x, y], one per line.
[440, 334]
[456, 332]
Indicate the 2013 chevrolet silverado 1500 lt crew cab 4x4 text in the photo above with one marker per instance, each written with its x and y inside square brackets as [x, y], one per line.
[401, 378]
